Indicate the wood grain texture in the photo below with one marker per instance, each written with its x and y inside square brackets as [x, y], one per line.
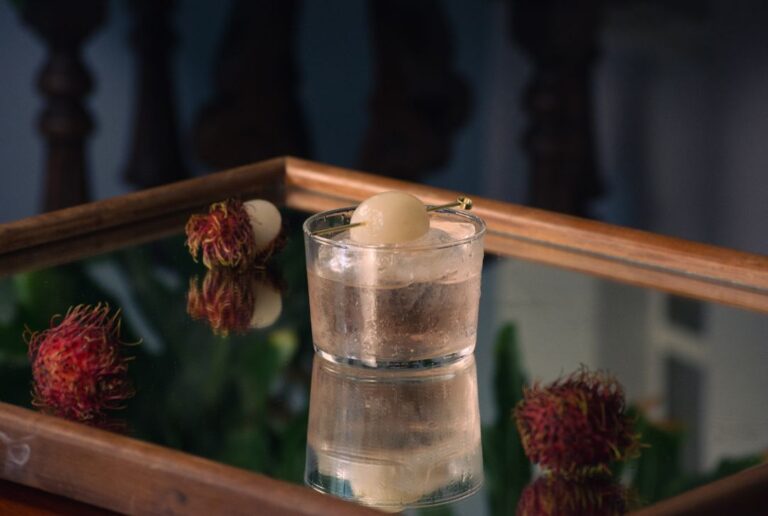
[628, 273]
[132, 477]
[623, 254]
[264, 179]
[744, 493]
[24, 501]
[95, 243]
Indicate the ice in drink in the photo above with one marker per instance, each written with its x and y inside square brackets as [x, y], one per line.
[403, 305]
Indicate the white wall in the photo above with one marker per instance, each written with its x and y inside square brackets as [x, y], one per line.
[555, 313]
[737, 384]
[683, 122]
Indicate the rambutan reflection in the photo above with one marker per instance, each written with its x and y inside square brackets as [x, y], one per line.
[235, 302]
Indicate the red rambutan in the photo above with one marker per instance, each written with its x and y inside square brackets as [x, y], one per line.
[577, 425]
[224, 235]
[235, 234]
[77, 368]
[553, 495]
[235, 302]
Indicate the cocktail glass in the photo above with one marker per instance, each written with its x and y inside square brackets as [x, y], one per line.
[398, 305]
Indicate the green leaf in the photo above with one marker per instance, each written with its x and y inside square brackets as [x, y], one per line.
[290, 463]
[285, 341]
[443, 510]
[659, 465]
[507, 468]
[8, 301]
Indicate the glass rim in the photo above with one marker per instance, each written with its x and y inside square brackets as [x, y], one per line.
[477, 222]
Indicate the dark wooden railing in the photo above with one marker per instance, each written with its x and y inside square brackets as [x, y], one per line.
[65, 81]
[418, 101]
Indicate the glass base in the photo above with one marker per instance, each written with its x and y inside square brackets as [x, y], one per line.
[384, 485]
[373, 363]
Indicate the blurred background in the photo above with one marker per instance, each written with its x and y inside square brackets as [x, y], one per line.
[650, 114]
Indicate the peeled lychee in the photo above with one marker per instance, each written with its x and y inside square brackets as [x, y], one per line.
[389, 218]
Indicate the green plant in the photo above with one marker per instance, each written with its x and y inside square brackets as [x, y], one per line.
[506, 466]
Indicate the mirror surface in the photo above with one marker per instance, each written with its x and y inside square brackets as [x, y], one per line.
[222, 366]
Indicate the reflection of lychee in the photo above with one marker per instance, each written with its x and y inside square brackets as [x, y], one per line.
[234, 302]
[576, 425]
[558, 496]
[235, 234]
[77, 368]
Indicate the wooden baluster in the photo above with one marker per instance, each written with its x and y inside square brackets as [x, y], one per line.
[65, 81]
[419, 101]
[255, 113]
[155, 157]
[561, 38]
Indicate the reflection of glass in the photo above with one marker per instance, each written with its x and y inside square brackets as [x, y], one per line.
[234, 301]
[395, 305]
[394, 439]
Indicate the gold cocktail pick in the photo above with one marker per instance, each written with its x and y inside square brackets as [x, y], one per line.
[462, 202]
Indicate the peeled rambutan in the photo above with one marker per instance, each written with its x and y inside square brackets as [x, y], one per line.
[78, 371]
[231, 301]
[576, 425]
[235, 234]
[553, 495]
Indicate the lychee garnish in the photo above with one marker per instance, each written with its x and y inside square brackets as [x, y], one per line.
[234, 302]
[553, 495]
[235, 234]
[78, 370]
[389, 218]
[576, 425]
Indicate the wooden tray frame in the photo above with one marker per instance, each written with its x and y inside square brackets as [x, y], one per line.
[133, 477]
